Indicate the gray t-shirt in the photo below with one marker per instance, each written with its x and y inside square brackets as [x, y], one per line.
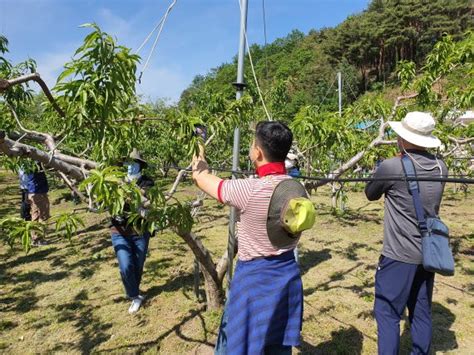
[402, 239]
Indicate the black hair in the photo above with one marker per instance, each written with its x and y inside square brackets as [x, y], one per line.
[275, 139]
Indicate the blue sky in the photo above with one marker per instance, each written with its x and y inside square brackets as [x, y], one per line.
[199, 34]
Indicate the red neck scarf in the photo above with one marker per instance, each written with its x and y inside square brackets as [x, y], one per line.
[276, 168]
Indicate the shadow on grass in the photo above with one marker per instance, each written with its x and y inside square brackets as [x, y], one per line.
[335, 277]
[343, 341]
[87, 264]
[352, 217]
[154, 345]
[23, 298]
[36, 277]
[461, 246]
[101, 225]
[184, 283]
[156, 269]
[34, 255]
[91, 329]
[311, 258]
[351, 252]
[443, 340]
[7, 325]
[11, 210]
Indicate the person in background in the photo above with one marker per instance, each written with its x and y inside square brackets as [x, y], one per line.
[292, 166]
[130, 246]
[25, 209]
[401, 281]
[38, 188]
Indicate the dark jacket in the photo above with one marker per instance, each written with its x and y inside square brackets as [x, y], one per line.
[402, 239]
[119, 224]
[37, 183]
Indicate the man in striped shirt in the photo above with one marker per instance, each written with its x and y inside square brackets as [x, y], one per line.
[264, 309]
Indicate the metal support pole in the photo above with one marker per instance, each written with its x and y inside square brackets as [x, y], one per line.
[339, 91]
[239, 85]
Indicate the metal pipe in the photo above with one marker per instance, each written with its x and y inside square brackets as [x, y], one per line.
[240, 85]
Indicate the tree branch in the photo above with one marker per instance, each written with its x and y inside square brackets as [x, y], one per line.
[89, 164]
[354, 160]
[461, 141]
[39, 137]
[138, 119]
[181, 173]
[72, 187]
[45, 138]
[398, 100]
[12, 148]
[6, 84]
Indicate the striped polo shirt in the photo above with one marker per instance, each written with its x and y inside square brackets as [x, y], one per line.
[252, 197]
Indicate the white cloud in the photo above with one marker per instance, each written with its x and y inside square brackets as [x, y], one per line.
[50, 65]
[163, 82]
[114, 24]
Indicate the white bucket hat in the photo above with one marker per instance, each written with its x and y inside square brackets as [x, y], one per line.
[416, 128]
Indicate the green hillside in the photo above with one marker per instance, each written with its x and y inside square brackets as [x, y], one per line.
[300, 69]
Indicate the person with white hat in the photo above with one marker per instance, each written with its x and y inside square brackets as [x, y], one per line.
[400, 280]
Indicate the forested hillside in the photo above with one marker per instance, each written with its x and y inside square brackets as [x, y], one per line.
[300, 69]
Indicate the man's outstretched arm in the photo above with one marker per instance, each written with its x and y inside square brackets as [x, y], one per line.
[206, 181]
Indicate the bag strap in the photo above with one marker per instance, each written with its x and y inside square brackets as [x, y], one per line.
[414, 188]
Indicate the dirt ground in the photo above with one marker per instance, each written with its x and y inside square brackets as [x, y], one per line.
[67, 297]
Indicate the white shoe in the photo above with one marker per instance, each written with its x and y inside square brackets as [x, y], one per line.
[142, 297]
[135, 306]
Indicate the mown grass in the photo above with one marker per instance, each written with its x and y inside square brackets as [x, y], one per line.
[67, 297]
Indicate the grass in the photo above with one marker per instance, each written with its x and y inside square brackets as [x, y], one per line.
[67, 297]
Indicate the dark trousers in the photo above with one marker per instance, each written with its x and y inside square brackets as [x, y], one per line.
[131, 254]
[25, 211]
[399, 285]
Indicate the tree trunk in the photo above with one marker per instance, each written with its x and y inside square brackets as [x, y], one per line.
[333, 196]
[214, 292]
[212, 280]
[381, 66]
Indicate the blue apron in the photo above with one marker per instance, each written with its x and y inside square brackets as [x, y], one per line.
[265, 304]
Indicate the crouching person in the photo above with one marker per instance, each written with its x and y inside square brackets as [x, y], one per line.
[264, 309]
[130, 246]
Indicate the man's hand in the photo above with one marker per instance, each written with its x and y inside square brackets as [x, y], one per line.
[199, 166]
[202, 177]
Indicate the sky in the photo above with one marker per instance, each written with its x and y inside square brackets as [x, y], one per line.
[198, 35]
